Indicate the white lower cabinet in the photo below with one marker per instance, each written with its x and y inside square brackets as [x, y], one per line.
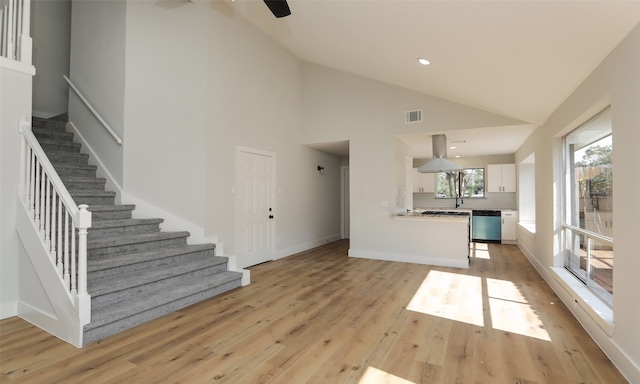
[509, 223]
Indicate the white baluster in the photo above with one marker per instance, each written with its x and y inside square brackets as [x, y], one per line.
[65, 251]
[18, 27]
[43, 183]
[83, 298]
[10, 48]
[74, 254]
[2, 24]
[27, 183]
[47, 211]
[26, 17]
[36, 201]
[54, 225]
[26, 43]
[32, 185]
[65, 262]
[60, 243]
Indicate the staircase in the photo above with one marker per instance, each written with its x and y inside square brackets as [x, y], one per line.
[136, 272]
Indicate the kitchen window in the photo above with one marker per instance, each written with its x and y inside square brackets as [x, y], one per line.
[468, 183]
[588, 221]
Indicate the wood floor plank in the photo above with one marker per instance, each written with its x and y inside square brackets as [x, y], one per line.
[322, 317]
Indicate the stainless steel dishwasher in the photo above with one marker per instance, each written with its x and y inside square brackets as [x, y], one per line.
[486, 226]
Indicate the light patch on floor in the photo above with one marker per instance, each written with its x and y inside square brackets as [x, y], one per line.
[451, 296]
[373, 375]
[511, 312]
[480, 251]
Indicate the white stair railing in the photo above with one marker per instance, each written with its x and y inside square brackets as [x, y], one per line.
[57, 218]
[15, 39]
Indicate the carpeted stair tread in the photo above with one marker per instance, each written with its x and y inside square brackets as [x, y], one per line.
[90, 198]
[105, 208]
[58, 124]
[60, 146]
[93, 193]
[75, 183]
[125, 315]
[52, 134]
[139, 259]
[133, 239]
[77, 170]
[73, 179]
[155, 277]
[120, 227]
[125, 308]
[102, 224]
[110, 212]
[67, 157]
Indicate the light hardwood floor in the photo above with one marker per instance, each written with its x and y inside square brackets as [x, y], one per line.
[321, 317]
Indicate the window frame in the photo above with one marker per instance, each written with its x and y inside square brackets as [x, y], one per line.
[575, 238]
[457, 184]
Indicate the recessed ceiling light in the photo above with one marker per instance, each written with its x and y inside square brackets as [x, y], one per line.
[457, 156]
[452, 147]
[423, 61]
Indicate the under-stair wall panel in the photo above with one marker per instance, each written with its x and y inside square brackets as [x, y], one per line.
[15, 103]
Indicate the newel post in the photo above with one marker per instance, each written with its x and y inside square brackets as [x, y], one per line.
[83, 299]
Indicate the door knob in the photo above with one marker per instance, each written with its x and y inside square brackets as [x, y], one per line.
[271, 216]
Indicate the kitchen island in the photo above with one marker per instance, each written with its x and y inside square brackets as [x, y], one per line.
[433, 237]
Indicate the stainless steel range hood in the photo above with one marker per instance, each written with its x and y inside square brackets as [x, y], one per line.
[439, 163]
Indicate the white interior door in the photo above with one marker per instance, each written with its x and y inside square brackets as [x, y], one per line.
[256, 206]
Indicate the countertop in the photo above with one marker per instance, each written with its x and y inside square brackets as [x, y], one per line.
[434, 217]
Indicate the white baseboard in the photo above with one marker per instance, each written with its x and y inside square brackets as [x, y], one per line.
[405, 258]
[282, 253]
[232, 265]
[8, 309]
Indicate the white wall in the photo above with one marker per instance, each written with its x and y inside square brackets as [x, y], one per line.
[339, 106]
[15, 102]
[51, 33]
[166, 102]
[97, 67]
[224, 84]
[616, 80]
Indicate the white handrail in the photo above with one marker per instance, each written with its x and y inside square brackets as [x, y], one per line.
[57, 217]
[95, 113]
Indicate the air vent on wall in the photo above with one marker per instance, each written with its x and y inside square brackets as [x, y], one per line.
[414, 116]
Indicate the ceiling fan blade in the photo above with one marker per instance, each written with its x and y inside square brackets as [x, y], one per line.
[279, 8]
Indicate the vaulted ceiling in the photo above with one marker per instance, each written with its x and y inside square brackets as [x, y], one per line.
[520, 59]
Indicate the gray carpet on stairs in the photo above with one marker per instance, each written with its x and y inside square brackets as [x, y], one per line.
[136, 272]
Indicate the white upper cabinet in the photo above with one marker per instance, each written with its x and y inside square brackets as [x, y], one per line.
[501, 178]
[423, 182]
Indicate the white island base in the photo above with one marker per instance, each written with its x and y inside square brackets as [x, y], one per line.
[433, 240]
